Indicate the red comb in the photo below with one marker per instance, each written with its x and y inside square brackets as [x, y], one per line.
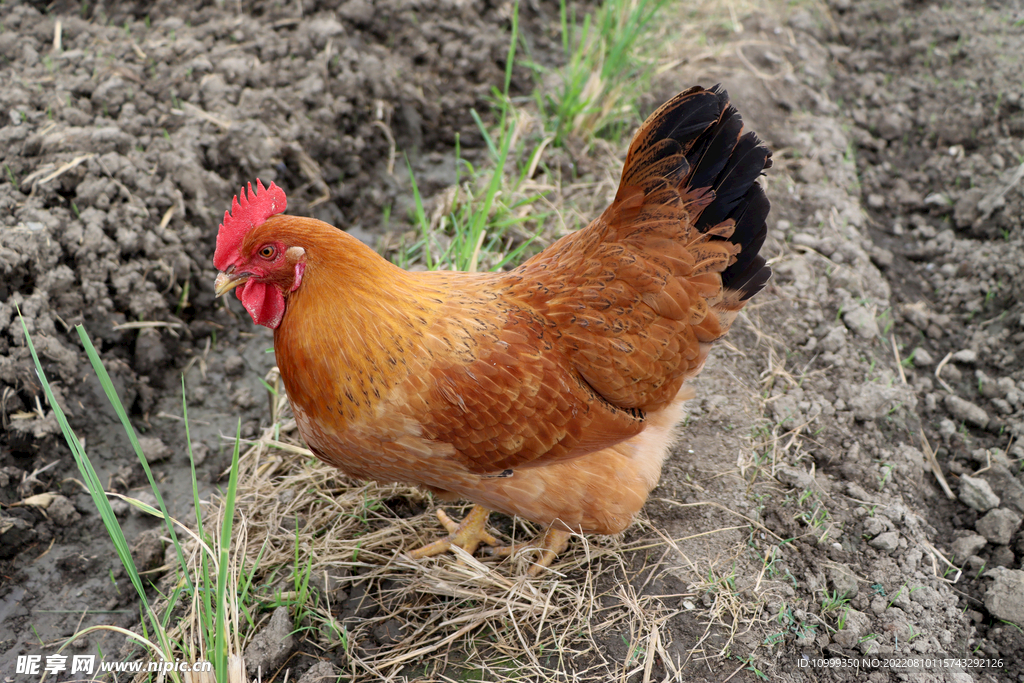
[246, 214]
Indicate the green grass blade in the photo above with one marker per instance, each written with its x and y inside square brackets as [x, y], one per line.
[192, 463]
[92, 482]
[207, 626]
[510, 60]
[129, 429]
[483, 131]
[220, 652]
[421, 218]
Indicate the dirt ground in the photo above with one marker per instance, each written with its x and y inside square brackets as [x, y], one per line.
[801, 516]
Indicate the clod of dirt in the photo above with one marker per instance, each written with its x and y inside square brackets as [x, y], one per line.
[874, 526]
[321, 671]
[965, 411]
[150, 352]
[794, 476]
[998, 525]
[389, 632]
[976, 493]
[200, 452]
[843, 580]
[358, 605]
[1006, 486]
[967, 545]
[121, 508]
[922, 358]
[148, 549]
[268, 649]
[871, 401]
[835, 340]
[887, 542]
[1003, 557]
[1005, 597]
[857, 625]
[965, 356]
[154, 449]
[34, 429]
[62, 511]
[862, 321]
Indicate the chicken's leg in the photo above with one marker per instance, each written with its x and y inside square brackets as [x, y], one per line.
[471, 532]
[551, 544]
[468, 535]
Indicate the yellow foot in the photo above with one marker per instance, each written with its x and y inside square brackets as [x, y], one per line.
[468, 535]
[550, 544]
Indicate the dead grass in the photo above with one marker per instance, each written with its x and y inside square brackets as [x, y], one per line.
[299, 521]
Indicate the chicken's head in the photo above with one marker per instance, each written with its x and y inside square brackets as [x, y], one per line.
[262, 268]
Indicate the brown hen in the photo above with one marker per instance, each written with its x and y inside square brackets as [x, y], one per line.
[551, 391]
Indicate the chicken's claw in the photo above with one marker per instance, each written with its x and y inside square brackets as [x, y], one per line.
[468, 534]
[471, 532]
[551, 544]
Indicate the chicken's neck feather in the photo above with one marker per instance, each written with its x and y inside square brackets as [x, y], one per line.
[349, 329]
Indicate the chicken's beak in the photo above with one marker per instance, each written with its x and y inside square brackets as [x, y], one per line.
[225, 282]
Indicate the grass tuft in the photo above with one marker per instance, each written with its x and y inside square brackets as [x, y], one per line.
[216, 620]
[468, 229]
[605, 72]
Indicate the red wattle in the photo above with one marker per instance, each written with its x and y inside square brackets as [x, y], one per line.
[264, 302]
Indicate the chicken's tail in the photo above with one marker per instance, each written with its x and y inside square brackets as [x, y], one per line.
[693, 150]
[639, 296]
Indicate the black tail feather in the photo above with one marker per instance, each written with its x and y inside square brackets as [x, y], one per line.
[696, 142]
[746, 163]
[714, 154]
[730, 163]
[750, 272]
[750, 229]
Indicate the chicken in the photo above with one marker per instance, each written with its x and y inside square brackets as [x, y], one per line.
[551, 391]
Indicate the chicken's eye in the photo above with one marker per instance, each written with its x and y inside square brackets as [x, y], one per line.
[268, 252]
